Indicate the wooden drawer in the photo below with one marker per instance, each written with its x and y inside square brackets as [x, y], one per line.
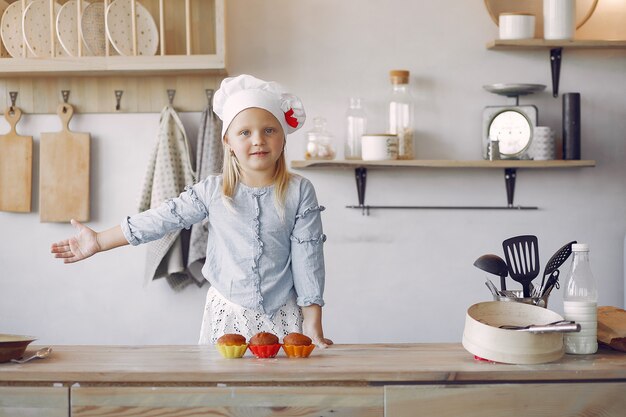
[34, 401]
[235, 401]
[538, 400]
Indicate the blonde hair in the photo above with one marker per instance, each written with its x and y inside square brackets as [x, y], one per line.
[231, 175]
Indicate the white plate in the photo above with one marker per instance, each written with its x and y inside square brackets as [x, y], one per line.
[92, 29]
[3, 7]
[119, 29]
[11, 30]
[67, 30]
[36, 29]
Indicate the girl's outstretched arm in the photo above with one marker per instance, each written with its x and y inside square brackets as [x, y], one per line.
[87, 243]
[312, 325]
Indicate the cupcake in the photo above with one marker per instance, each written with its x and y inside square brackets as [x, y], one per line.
[264, 345]
[232, 345]
[297, 345]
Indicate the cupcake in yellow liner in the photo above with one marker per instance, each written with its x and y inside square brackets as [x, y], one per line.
[232, 345]
[297, 345]
[293, 351]
[232, 352]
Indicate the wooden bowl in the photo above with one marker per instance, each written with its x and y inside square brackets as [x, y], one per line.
[13, 346]
[484, 338]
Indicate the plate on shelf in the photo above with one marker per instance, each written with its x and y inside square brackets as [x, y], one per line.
[92, 29]
[584, 10]
[119, 29]
[514, 90]
[36, 29]
[3, 7]
[11, 30]
[67, 30]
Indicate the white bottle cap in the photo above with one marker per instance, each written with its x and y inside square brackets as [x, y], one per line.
[580, 247]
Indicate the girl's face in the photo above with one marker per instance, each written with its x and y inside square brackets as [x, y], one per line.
[257, 140]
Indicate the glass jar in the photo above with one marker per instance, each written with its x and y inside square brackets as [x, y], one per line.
[356, 125]
[401, 113]
[320, 143]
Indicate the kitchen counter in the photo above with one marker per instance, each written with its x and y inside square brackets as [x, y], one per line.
[351, 380]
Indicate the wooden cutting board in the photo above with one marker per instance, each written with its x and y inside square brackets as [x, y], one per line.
[16, 157]
[64, 173]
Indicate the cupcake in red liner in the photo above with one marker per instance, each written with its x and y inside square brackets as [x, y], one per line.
[264, 345]
[297, 345]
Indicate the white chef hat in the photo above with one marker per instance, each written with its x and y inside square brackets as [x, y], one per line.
[245, 91]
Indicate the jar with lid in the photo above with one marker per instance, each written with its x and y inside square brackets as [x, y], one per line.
[320, 143]
[580, 303]
[356, 125]
[401, 113]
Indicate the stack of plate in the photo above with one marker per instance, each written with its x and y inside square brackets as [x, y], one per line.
[30, 28]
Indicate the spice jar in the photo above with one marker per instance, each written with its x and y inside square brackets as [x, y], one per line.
[320, 143]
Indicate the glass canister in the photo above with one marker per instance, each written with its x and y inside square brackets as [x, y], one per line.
[356, 125]
[401, 113]
[320, 143]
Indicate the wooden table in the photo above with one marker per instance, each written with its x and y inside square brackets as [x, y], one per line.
[344, 380]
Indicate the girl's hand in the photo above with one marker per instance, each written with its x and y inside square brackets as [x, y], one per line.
[79, 247]
[312, 325]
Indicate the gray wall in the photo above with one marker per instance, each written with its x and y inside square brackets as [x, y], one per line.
[393, 276]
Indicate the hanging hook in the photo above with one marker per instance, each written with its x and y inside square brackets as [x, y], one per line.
[118, 99]
[66, 97]
[13, 95]
[170, 96]
[209, 95]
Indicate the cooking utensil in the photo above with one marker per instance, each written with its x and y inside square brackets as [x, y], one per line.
[492, 288]
[13, 346]
[494, 265]
[64, 172]
[522, 258]
[40, 354]
[561, 326]
[483, 337]
[555, 262]
[16, 157]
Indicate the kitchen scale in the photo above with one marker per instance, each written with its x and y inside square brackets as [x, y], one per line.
[512, 126]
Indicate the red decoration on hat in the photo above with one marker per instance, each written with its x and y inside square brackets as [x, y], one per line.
[291, 121]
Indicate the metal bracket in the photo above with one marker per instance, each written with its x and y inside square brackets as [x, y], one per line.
[171, 93]
[118, 99]
[555, 64]
[510, 175]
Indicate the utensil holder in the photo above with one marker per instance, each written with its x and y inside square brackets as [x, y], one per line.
[517, 297]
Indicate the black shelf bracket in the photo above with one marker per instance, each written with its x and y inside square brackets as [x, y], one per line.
[360, 174]
[555, 66]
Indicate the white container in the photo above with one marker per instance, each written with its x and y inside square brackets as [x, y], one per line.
[516, 25]
[543, 145]
[379, 147]
[559, 19]
[483, 337]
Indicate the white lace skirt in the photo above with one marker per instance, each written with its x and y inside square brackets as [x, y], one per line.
[222, 316]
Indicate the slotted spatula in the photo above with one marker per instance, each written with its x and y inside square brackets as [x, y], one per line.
[522, 259]
[553, 265]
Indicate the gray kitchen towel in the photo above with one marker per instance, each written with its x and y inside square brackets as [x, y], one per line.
[169, 171]
[209, 160]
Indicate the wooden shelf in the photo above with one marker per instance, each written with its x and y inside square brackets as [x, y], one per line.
[509, 166]
[499, 44]
[443, 163]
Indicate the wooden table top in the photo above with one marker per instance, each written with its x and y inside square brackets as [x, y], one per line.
[366, 364]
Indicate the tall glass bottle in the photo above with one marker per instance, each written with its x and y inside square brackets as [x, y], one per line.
[356, 125]
[580, 303]
[401, 113]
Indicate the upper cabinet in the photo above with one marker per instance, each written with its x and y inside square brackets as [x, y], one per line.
[81, 37]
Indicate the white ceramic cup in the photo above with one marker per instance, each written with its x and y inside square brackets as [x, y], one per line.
[516, 25]
[379, 147]
[559, 19]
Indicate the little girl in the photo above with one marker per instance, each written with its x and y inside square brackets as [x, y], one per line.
[264, 257]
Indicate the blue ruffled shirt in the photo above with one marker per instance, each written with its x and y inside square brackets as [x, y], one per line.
[254, 258]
